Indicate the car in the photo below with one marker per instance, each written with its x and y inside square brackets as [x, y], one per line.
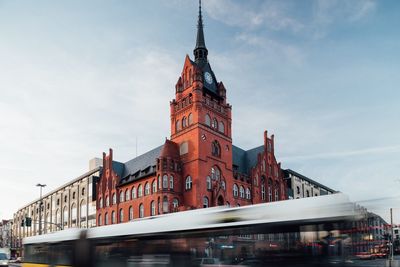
[381, 255]
[3, 259]
[365, 256]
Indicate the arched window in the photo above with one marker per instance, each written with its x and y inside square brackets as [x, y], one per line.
[107, 201]
[127, 195]
[217, 173]
[141, 210]
[263, 191]
[99, 220]
[83, 191]
[121, 197]
[154, 186]
[184, 122]
[133, 192]
[205, 202]
[58, 217]
[248, 194]
[153, 208]
[74, 214]
[171, 182]
[276, 194]
[223, 185]
[190, 119]
[100, 203]
[121, 216]
[177, 126]
[221, 127]
[241, 191]
[175, 203]
[208, 180]
[114, 199]
[214, 124]
[269, 190]
[235, 190]
[215, 149]
[140, 191]
[165, 205]
[147, 189]
[106, 219]
[188, 183]
[308, 193]
[73, 195]
[165, 181]
[207, 120]
[113, 218]
[83, 210]
[130, 213]
[65, 216]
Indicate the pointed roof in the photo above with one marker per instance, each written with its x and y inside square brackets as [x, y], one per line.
[200, 51]
[200, 43]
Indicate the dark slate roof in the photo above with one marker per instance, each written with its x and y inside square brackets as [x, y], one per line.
[287, 171]
[142, 162]
[118, 167]
[245, 160]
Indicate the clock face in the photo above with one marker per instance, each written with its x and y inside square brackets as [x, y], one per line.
[208, 77]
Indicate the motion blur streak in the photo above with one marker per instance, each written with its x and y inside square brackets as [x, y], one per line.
[320, 231]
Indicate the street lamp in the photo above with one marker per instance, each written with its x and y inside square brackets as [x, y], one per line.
[40, 208]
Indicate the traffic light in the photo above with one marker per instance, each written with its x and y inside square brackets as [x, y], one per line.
[28, 221]
[22, 223]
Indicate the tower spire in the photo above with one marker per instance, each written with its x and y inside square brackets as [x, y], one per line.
[200, 51]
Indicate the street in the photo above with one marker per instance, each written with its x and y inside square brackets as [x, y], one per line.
[376, 263]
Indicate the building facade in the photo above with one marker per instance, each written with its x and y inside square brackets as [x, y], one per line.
[5, 233]
[198, 166]
[300, 186]
[71, 205]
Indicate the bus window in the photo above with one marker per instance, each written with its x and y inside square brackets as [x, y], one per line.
[37, 253]
[62, 253]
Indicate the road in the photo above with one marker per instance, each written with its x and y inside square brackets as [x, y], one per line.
[355, 263]
[375, 263]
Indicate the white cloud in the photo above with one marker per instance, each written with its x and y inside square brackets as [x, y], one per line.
[268, 14]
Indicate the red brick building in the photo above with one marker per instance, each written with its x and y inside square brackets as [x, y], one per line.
[199, 166]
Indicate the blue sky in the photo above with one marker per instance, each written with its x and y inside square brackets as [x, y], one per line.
[79, 77]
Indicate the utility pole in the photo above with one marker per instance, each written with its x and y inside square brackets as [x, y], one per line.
[40, 207]
[392, 233]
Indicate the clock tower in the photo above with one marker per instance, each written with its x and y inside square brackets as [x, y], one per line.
[201, 126]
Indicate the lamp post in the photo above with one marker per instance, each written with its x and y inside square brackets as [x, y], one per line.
[40, 208]
[11, 235]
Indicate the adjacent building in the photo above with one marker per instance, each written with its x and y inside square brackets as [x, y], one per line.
[5, 233]
[71, 205]
[300, 186]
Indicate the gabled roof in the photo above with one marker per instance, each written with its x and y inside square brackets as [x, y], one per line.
[245, 160]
